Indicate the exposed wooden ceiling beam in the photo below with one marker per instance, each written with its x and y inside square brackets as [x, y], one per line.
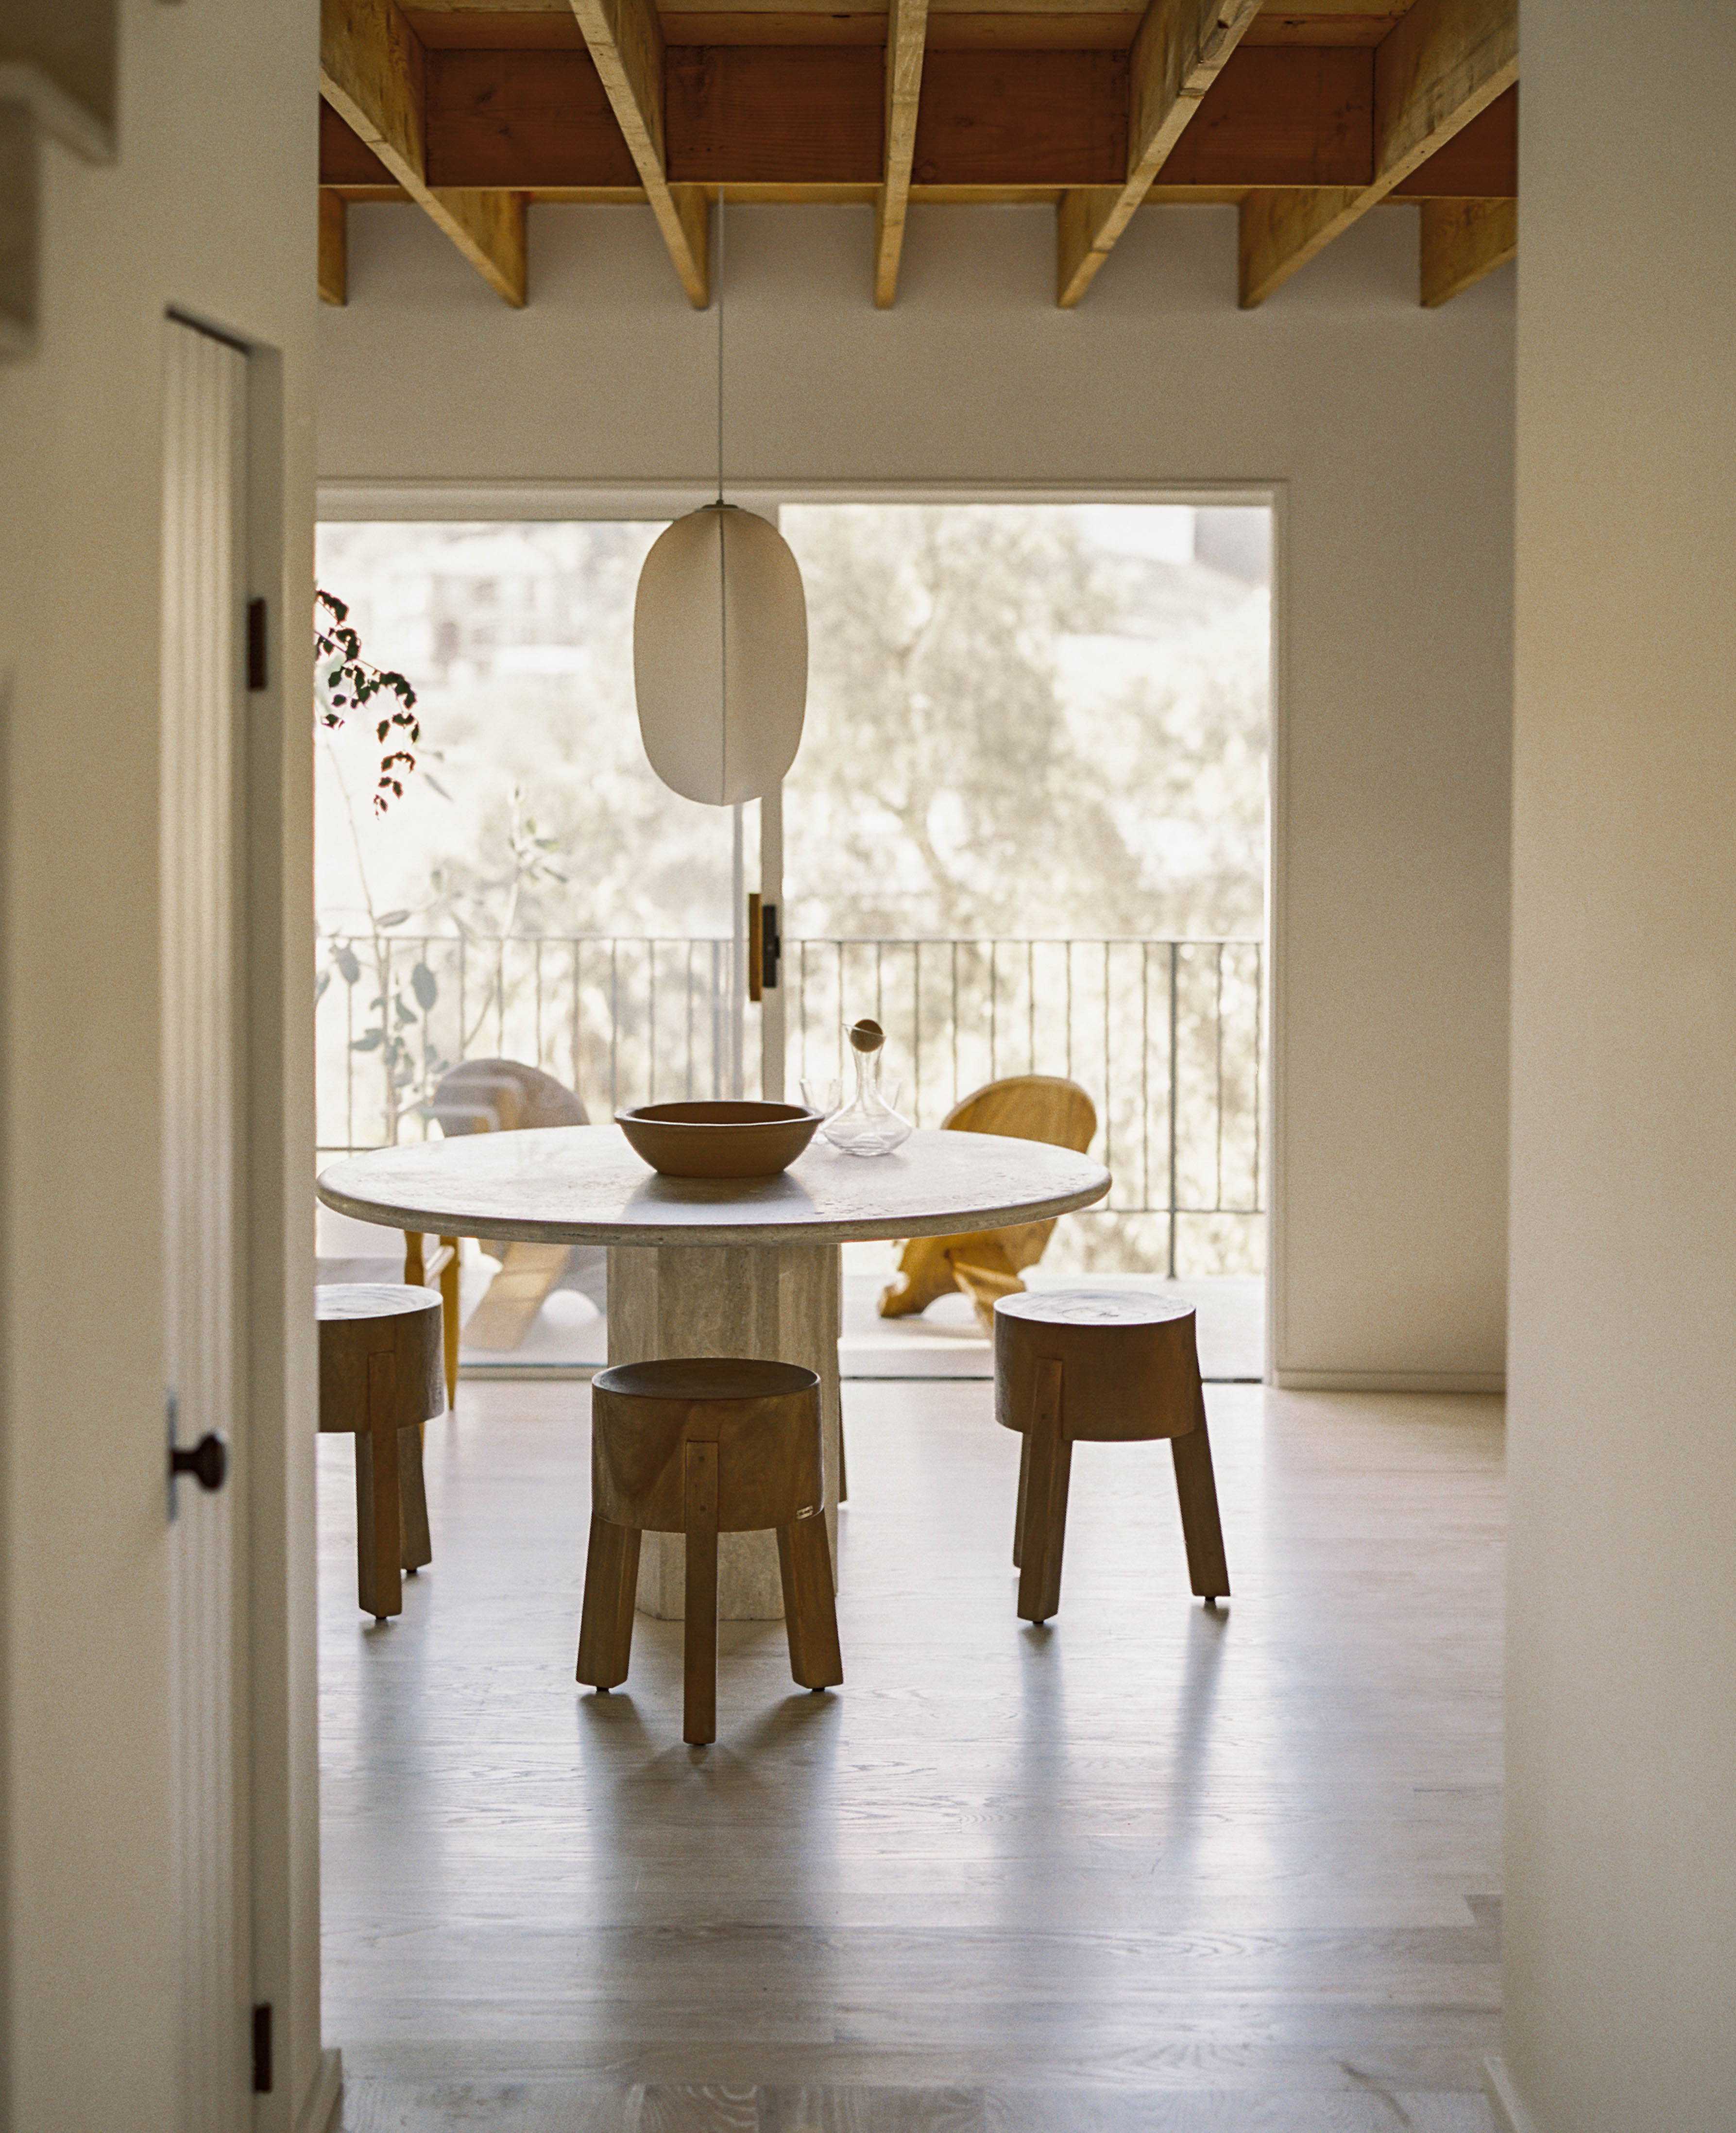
[1437, 70]
[1177, 55]
[809, 122]
[625, 40]
[906, 34]
[1481, 161]
[1462, 241]
[334, 247]
[1015, 24]
[372, 72]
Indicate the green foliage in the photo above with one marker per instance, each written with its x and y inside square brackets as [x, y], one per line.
[983, 757]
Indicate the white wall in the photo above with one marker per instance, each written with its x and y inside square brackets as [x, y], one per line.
[1390, 431]
[210, 207]
[1621, 1890]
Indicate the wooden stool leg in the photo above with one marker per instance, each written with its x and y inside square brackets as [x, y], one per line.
[699, 1695]
[379, 1588]
[448, 1321]
[1018, 1516]
[416, 1546]
[1045, 1523]
[811, 1614]
[606, 1621]
[1197, 1488]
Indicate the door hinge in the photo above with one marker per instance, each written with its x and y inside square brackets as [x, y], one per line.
[256, 676]
[262, 2049]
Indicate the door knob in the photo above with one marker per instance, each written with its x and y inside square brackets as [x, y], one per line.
[207, 1462]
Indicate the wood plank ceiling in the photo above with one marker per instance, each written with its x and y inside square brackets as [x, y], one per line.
[1302, 114]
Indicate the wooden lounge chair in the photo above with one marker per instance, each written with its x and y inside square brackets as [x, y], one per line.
[987, 1264]
[504, 1095]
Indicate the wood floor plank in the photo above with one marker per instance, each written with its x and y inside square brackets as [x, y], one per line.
[1147, 1867]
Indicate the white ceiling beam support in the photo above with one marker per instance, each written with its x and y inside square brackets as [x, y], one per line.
[1178, 53]
[371, 72]
[1435, 71]
[625, 39]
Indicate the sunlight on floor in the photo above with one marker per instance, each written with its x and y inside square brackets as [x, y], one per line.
[1152, 1867]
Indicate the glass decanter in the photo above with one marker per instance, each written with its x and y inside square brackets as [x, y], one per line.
[869, 1124]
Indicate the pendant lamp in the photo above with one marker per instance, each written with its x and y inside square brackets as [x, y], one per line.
[720, 643]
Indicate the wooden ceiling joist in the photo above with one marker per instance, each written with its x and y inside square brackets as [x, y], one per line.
[373, 74]
[625, 42]
[906, 38]
[1181, 49]
[1439, 68]
[1462, 241]
[1303, 117]
[334, 247]
[744, 116]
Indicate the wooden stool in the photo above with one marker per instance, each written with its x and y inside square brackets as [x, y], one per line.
[1109, 1366]
[380, 1361]
[702, 1447]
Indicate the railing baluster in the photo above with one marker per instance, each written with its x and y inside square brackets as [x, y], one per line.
[351, 1055]
[954, 1024]
[916, 1044]
[578, 995]
[1259, 1106]
[1145, 1071]
[1109, 1090]
[1175, 1025]
[670, 1057]
[1219, 1014]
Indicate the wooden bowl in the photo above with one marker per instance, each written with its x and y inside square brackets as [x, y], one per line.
[718, 1138]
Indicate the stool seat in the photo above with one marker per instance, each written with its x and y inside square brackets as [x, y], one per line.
[380, 1379]
[700, 1446]
[1101, 1365]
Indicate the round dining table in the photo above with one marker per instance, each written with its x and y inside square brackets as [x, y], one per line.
[743, 1266]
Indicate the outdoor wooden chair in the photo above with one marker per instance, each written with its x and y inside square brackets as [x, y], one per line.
[504, 1095]
[988, 1265]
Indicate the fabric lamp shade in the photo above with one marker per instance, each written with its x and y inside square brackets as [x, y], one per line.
[720, 656]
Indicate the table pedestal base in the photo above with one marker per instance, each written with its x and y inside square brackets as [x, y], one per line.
[776, 1302]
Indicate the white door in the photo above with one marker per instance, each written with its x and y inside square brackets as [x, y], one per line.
[203, 685]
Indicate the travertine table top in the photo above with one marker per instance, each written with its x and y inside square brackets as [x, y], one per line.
[583, 1185]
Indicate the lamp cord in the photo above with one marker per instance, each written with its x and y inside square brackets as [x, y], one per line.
[723, 569]
[720, 344]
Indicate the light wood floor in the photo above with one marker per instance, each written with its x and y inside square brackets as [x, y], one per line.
[1150, 1867]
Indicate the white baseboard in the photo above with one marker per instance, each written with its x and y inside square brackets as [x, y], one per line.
[1510, 2114]
[325, 2097]
[1390, 1381]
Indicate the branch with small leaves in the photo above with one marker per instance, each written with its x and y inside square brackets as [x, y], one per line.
[344, 681]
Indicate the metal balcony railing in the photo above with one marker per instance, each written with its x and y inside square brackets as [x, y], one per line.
[1167, 1037]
